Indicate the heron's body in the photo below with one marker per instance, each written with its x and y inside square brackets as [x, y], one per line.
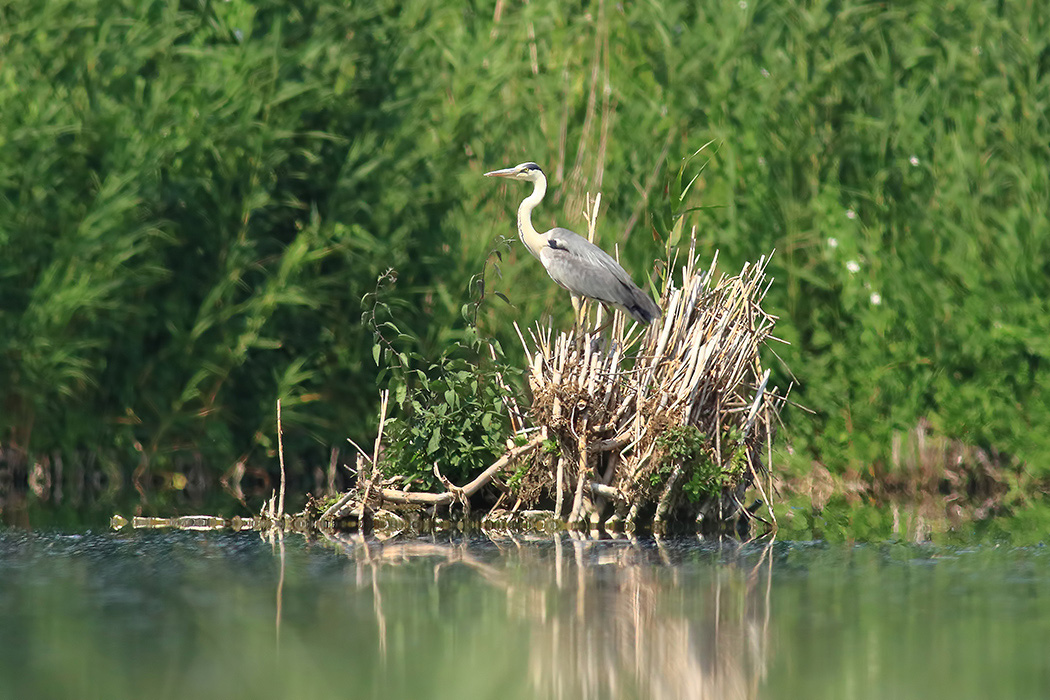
[572, 261]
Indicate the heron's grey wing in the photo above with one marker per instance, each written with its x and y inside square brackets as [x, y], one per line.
[585, 269]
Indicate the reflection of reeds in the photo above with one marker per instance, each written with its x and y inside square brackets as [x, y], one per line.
[87, 480]
[613, 620]
[930, 484]
[627, 636]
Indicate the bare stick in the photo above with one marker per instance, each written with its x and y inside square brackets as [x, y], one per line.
[514, 413]
[360, 451]
[280, 453]
[577, 501]
[384, 400]
[329, 489]
[559, 484]
[581, 476]
[769, 472]
[607, 492]
[758, 402]
[395, 496]
[609, 444]
[334, 509]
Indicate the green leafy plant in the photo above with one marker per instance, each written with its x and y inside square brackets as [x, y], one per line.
[687, 446]
[451, 412]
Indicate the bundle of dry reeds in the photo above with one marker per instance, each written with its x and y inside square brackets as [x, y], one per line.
[666, 421]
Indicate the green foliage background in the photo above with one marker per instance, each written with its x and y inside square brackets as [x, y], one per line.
[195, 196]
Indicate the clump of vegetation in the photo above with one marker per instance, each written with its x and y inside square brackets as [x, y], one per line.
[685, 445]
[453, 413]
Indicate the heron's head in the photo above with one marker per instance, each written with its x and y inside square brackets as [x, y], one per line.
[528, 172]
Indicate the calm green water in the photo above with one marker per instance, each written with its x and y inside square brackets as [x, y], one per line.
[183, 615]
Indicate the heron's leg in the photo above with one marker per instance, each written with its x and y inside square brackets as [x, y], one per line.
[578, 322]
[597, 342]
[577, 305]
[608, 322]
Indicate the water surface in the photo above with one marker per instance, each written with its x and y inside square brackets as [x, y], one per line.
[186, 615]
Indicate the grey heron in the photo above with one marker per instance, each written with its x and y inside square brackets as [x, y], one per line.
[574, 262]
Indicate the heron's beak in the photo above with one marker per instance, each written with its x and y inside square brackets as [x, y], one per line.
[506, 172]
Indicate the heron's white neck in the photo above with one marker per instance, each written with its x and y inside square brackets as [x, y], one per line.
[532, 239]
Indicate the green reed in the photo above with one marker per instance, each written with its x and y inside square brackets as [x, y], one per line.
[195, 197]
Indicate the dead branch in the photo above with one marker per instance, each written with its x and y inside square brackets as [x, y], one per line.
[438, 499]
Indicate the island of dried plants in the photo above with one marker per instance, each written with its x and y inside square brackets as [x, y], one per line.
[628, 427]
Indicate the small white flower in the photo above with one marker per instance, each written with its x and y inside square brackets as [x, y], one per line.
[742, 4]
[765, 73]
[853, 266]
[876, 298]
[833, 243]
[850, 214]
[239, 34]
[914, 160]
[761, 160]
[976, 51]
